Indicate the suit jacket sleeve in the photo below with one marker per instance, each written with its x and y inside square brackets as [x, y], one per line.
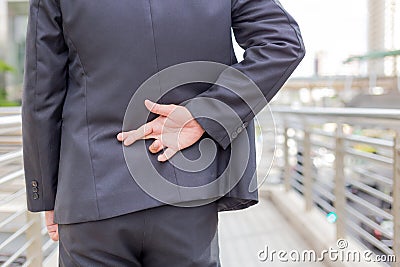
[273, 49]
[45, 80]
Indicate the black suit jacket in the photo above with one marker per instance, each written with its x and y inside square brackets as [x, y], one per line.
[84, 61]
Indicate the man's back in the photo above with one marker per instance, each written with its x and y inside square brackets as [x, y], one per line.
[91, 57]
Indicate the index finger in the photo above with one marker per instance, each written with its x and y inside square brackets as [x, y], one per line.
[141, 133]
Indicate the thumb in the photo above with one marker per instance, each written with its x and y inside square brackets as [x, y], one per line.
[163, 110]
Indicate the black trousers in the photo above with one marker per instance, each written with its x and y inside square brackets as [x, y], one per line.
[165, 236]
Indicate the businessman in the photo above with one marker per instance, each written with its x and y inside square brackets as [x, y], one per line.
[85, 62]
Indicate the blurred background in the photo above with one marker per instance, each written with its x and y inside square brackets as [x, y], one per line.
[335, 160]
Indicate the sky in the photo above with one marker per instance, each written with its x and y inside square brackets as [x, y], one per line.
[335, 28]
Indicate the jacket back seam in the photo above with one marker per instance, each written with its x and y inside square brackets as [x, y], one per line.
[68, 37]
[159, 83]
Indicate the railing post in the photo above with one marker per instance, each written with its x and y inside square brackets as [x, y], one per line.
[307, 169]
[340, 185]
[286, 170]
[396, 197]
[34, 251]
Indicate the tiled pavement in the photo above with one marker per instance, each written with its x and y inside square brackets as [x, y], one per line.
[242, 234]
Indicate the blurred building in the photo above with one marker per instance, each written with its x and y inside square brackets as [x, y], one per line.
[13, 21]
[353, 50]
[383, 35]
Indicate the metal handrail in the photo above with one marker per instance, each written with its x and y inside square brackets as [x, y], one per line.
[10, 156]
[12, 176]
[368, 221]
[372, 191]
[376, 158]
[18, 252]
[7, 111]
[364, 171]
[367, 236]
[11, 218]
[369, 141]
[8, 121]
[19, 232]
[12, 196]
[376, 177]
[342, 112]
[37, 245]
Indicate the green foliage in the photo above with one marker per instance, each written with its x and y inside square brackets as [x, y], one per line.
[8, 103]
[3, 100]
[4, 67]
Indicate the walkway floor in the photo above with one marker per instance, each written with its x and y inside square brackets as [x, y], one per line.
[242, 234]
